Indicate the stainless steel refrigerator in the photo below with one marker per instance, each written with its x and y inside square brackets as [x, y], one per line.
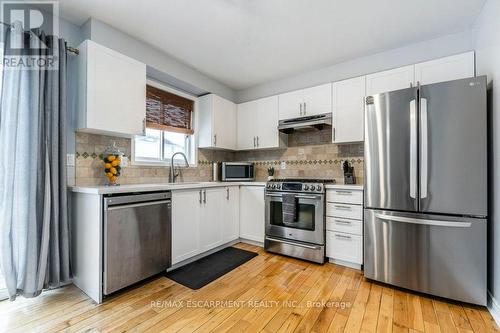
[426, 189]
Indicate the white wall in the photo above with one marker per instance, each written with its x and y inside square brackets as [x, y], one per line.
[487, 44]
[405, 55]
[161, 66]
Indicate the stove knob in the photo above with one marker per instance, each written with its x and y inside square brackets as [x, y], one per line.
[312, 188]
[318, 188]
[274, 186]
[306, 187]
[278, 186]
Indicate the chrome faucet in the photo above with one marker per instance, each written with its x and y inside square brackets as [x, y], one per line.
[174, 175]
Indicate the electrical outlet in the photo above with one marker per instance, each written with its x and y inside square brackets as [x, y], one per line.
[70, 159]
[283, 165]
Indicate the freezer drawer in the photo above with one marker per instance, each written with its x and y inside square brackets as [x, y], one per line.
[439, 255]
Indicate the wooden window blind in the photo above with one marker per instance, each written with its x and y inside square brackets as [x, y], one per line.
[168, 112]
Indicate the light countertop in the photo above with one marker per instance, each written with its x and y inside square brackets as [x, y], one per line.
[157, 187]
[344, 186]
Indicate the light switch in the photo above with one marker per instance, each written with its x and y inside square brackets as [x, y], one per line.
[70, 159]
[283, 165]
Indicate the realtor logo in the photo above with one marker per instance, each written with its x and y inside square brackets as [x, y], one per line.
[35, 16]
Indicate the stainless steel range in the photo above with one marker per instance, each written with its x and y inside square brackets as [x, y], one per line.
[295, 218]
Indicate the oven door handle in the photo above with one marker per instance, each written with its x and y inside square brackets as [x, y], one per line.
[297, 196]
[295, 244]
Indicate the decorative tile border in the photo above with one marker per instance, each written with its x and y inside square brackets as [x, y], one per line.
[296, 162]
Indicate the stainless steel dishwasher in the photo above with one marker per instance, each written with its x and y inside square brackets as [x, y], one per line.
[137, 238]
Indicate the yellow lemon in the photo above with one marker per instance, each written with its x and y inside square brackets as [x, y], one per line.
[113, 171]
[115, 162]
[107, 165]
[109, 174]
[113, 179]
[111, 158]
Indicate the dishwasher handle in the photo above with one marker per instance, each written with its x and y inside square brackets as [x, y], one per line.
[134, 198]
[141, 204]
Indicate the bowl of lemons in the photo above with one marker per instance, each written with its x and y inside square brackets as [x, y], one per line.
[112, 158]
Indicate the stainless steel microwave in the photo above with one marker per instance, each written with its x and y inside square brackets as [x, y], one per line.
[236, 171]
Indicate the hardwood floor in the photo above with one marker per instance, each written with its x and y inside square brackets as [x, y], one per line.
[269, 293]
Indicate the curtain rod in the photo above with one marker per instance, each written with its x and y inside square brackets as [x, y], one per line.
[70, 49]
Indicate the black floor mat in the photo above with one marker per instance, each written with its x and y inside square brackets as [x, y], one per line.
[205, 270]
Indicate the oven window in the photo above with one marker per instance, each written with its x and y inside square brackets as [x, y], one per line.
[238, 171]
[304, 220]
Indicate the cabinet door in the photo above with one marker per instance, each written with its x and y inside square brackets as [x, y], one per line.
[348, 110]
[116, 92]
[344, 247]
[247, 125]
[252, 213]
[224, 118]
[290, 105]
[267, 122]
[231, 211]
[455, 67]
[211, 218]
[317, 100]
[185, 216]
[394, 79]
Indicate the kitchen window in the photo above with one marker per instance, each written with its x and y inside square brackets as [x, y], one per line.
[169, 127]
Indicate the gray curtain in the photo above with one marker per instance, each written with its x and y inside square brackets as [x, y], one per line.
[34, 234]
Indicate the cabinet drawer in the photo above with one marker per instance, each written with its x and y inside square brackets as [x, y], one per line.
[345, 196]
[344, 225]
[344, 210]
[344, 247]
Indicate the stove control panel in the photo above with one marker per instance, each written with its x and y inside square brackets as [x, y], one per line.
[295, 187]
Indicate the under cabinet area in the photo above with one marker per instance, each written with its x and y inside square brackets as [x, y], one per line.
[111, 92]
[344, 225]
[203, 219]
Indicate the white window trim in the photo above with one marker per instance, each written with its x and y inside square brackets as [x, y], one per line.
[194, 152]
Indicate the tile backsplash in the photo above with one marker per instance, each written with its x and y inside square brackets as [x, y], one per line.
[308, 155]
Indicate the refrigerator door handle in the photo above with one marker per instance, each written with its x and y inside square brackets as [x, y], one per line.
[436, 223]
[413, 149]
[424, 144]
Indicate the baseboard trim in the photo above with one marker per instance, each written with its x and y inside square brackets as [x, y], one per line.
[494, 308]
[345, 264]
[251, 242]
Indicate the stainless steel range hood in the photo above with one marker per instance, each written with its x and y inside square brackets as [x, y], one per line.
[317, 122]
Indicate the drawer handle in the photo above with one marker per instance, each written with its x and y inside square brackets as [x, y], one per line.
[342, 192]
[342, 222]
[343, 207]
[342, 236]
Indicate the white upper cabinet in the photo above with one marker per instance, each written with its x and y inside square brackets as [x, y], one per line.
[111, 91]
[291, 104]
[306, 102]
[258, 124]
[394, 79]
[217, 119]
[455, 67]
[317, 100]
[348, 110]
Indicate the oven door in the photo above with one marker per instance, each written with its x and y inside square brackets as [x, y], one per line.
[310, 222]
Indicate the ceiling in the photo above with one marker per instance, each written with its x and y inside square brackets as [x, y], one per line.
[243, 43]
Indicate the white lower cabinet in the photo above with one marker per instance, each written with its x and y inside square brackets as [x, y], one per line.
[203, 219]
[231, 218]
[345, 247]
[186, 208]
[344, 225]
[210, 218]
[252, 213]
